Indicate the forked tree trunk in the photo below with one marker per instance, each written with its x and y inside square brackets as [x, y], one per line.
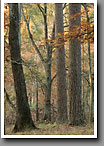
[46, 62]
[60, 65]
[75, 114]
[23, 115]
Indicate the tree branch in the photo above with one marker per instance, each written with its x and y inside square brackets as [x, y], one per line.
[31, 37]
[8, 99]
[53, 78]
[65, 4]
[34, 74]
[41, 9]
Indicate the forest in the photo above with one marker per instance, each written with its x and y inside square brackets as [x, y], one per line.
[48, 69]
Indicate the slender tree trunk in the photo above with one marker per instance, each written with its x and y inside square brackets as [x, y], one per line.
[75, 109]
[23, 116]
[90, 75]
[83, 85]
[46, 63]
[47, 107]
[37, 112]
[60, 65]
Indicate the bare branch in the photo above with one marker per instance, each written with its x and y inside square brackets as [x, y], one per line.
[41, 9]
[65, 4]
[8, 99]
[53, 78]
[31, 37]
[34, 74]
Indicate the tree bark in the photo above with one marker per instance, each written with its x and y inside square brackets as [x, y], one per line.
[83, 84]
[37, 112]
[60, 65]
[75, 108]
[47, 107]
[23, 116]
[90, 74]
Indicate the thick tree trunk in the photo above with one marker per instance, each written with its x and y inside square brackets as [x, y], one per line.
[23, 117]
[60, 65]
[75, 114]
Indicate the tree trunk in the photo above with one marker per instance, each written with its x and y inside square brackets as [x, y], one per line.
[23, 116]
[19, 9]
[46, 62]
[75, 109]
[90, 75]
[37, 113]
[47, 108]
[60, 65]
[83, 85]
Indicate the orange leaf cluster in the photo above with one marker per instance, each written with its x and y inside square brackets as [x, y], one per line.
[83, 32]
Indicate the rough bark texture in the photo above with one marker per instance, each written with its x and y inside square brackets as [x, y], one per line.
[60, 65]
[23, 117]
[75, 108]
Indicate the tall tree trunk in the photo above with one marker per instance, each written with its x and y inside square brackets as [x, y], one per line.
[49, 79]
[90, 74]
[46, 63]
[37, 112]
[75, 109]
[47, 107]
[23, 116]
[60, 65]
[83, 84]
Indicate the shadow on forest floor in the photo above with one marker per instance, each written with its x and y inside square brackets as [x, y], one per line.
[54, 129]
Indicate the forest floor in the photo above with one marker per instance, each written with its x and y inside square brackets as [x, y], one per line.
[54, 129]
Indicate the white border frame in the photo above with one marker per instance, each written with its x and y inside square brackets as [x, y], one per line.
[95, 69]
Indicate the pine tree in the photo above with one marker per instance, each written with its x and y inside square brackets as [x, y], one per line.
[75, 108]
[60, 65]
